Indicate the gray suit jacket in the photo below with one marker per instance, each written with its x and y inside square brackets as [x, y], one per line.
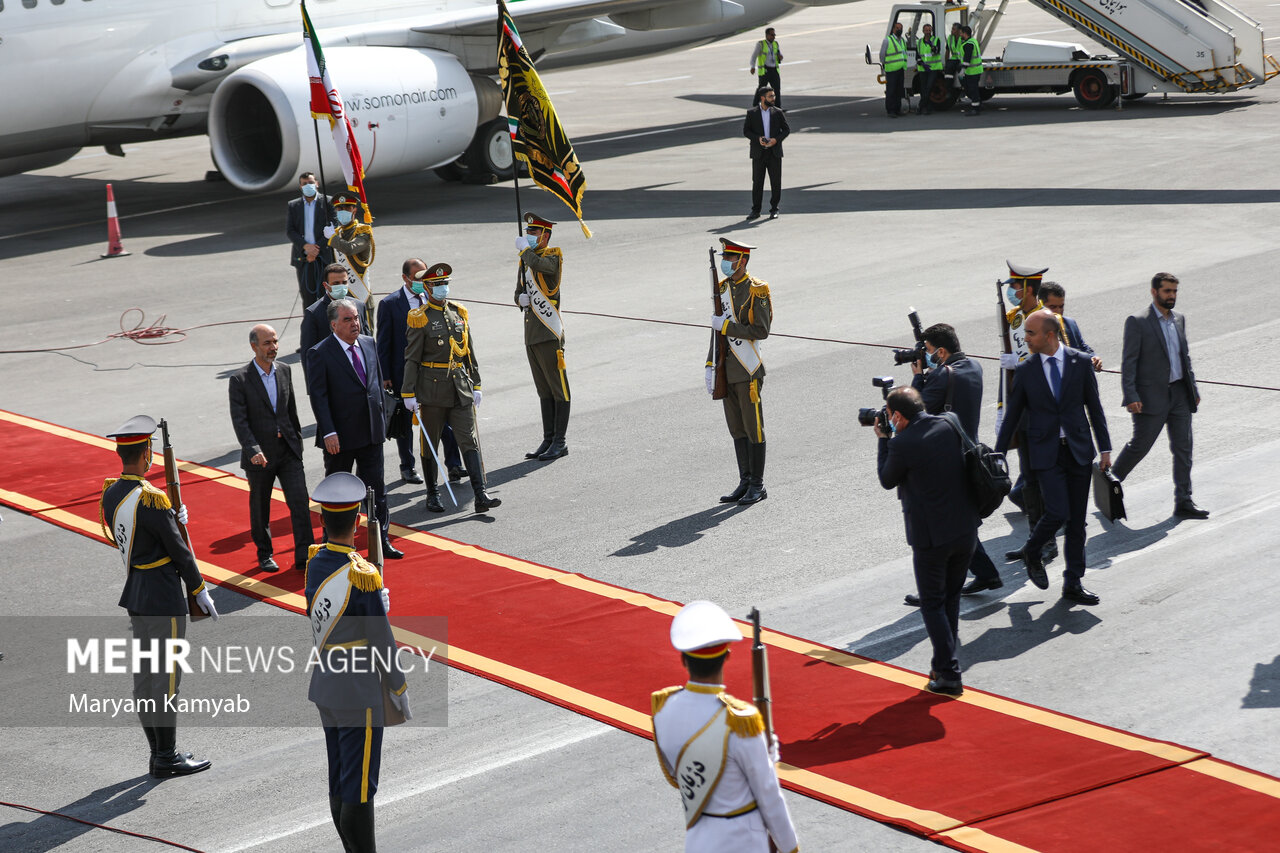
[1144, 368]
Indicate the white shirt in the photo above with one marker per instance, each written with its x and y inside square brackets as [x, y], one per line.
[414, 299]
[269, 380]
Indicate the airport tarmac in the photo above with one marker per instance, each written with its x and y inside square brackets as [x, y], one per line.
[877, 217]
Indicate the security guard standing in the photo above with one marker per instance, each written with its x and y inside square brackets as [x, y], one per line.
[744, 318]
[442, 381]
[928, 66]
[347, 605]
[538, 293]
[352, 242]
[712, 747]
[139, 518]
[893, 57]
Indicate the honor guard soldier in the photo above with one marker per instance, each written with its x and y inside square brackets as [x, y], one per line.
[442, 382]
[712, 747]
[352, 244]
[538, 293]
[353, 664]
[746, 312]
[139, 518]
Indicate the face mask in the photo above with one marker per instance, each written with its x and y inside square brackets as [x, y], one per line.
[309, 190]
[417, 287]
[439, 292]
[338, 291]
[931, 359]
[344, 217]
[726, 266]
[1012, 293]
[533, 240]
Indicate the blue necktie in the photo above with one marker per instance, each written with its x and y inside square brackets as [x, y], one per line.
[1055, 379]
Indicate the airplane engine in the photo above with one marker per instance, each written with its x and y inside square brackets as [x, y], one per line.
[410, 109]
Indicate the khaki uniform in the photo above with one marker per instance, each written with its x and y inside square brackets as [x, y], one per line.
[440, 370]
[752, 317]
[544, 348]
[356, 242]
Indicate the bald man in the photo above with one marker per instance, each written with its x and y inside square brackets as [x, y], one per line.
[264, 414]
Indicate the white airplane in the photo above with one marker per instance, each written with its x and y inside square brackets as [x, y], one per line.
[414, 75]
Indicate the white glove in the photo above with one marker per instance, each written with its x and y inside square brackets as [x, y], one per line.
[523, 300]
[206, 603]
[402, 704]
[411, 403]
[182, 515]
[525, 242]
[775, 753]
[386, 600]
[711, 379]
[329, 231]
[717, 321]
[1008, 361]
[476, 396]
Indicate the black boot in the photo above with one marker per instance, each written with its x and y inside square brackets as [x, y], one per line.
[433, 488]
[558, 447]
[744, 473]
[483, 502]
[335, 809]
[357, 827]
[548, 427]
[168, 761]
[755, 490]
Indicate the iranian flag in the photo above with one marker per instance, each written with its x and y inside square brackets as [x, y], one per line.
[327, 103]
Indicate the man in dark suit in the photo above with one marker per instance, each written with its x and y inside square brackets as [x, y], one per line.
[1160, 389]
[315, 320]
[264, 414]
[766, 127]
[925, 461]
[309, 252]
[1054, 387]
[1054, 297]
[344, 383]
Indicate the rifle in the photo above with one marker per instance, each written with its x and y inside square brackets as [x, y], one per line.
[1002, 323]
[760, 693]
[375, 530]
[719, 345]
[174, 490]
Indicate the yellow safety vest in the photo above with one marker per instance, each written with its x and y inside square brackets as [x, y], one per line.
[895, 58]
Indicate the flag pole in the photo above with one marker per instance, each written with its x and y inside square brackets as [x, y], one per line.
[315, 125]
[515, 164]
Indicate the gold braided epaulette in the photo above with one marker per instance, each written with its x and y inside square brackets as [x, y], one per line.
[153, 498]
[363, 575]
[418, 318]
[460, 310]
[102, 511]
[759, 289]
[744, 719]
[660, 697]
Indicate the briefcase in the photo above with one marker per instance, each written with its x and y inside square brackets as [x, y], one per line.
[398, 424]
[1108, 495]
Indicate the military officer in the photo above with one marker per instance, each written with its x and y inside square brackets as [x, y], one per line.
[139, 518]
[348, 604]
[746, 312]
[352, 244]
[726, 779]
[442, 381]
[538, 294]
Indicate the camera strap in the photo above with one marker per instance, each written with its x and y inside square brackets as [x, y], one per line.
[946, 406]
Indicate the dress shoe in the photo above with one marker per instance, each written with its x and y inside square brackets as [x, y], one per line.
[1035, 568]
[773, 214]
[433, 502]
[755, 214]
[1047, 553]
[976, 586]
[389, 551]
[268, 564]
[484, 503]
[168, 761]
[456, 473]
[1188, 509]
[1075, 592]
[410, 476]
[911, 600]
[944, 687]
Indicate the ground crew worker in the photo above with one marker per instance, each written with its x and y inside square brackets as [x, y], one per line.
[713, 749]
[538, 294]
[893, 57]
[928, 66]
[353, 247]
[954, 41]
[971, 69]
[139, 518]
[442, 382]
[766, 57]
[348, 604]
[744, 318]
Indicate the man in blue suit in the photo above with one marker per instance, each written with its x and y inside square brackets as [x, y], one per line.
[925, 461]
[1054, 387]
[344, 383]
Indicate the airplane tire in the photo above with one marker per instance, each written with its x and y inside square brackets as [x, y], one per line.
[451, 172]
[490, 151]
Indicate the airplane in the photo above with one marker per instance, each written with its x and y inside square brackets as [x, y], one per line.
[415, 77]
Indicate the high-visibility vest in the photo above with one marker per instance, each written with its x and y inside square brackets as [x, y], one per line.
[953, 46]
[895, 58]
[768, 49]
[929, 53]
[973, 66]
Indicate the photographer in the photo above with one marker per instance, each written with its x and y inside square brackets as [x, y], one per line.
[925, 461]
[952, 382]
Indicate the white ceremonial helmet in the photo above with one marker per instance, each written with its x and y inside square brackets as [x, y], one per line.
[703, 626]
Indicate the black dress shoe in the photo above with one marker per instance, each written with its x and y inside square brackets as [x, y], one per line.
[268, 564]
[911, 600]
[976, 586]
[410, 476]
[433, 502]
[456, 473]
[1075, 592]
[1188, 509]
[390, 552]
[755, 214]
[177, 764]
[945, 688]
[773, 214]
[484, 503]
[1047, 553]
[1035, 568]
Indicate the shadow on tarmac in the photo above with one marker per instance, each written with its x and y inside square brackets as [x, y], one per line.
[1024, 633]
[1264, 688]
[102, 806]
[904, 724]
[678, 533]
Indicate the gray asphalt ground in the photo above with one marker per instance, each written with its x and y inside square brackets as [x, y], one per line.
[878, 216]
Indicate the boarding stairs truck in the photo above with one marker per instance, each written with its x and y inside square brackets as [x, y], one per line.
[1190, 46]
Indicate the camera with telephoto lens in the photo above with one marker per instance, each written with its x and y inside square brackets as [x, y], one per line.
[917, 352]
[880, 416]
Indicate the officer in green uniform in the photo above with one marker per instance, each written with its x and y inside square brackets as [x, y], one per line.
[538, 293]
[746, 312]
[139, 518]
[442, 381]
[928, 66]
[354, 239]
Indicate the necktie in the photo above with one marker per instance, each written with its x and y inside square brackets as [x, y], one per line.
[359, 365]
[1055, 379]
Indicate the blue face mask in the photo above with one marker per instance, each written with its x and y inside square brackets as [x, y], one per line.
[417, 287]
[344, 217]
[309, 190]
[1012, 293]
[931, 359]
[532, 240]
[439, 292]
[726, 266]
[338, 291]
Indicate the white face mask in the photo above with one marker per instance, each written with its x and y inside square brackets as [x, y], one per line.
[726, 266]
[344, 217]
[309, 190]
[439, 292]
[338, 291]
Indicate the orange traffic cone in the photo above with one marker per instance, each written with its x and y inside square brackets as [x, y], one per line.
[114, 247]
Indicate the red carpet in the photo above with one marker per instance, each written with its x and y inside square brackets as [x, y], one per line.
[980, 773]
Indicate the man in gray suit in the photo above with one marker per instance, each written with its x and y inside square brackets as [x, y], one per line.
[1160, 389]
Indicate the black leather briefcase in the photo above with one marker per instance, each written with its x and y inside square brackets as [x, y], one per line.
[398, 422]
[1108, 494]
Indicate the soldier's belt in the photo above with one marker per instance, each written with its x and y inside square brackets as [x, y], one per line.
[354, 644]
[443, 365]
[160, 562]
[747, 809]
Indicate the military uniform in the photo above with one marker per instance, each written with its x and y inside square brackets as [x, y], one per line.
[538, 293]
[442, 375]
[356, 653]
[139, 518]
[353, 246]
[713, 749]
[744, 318]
